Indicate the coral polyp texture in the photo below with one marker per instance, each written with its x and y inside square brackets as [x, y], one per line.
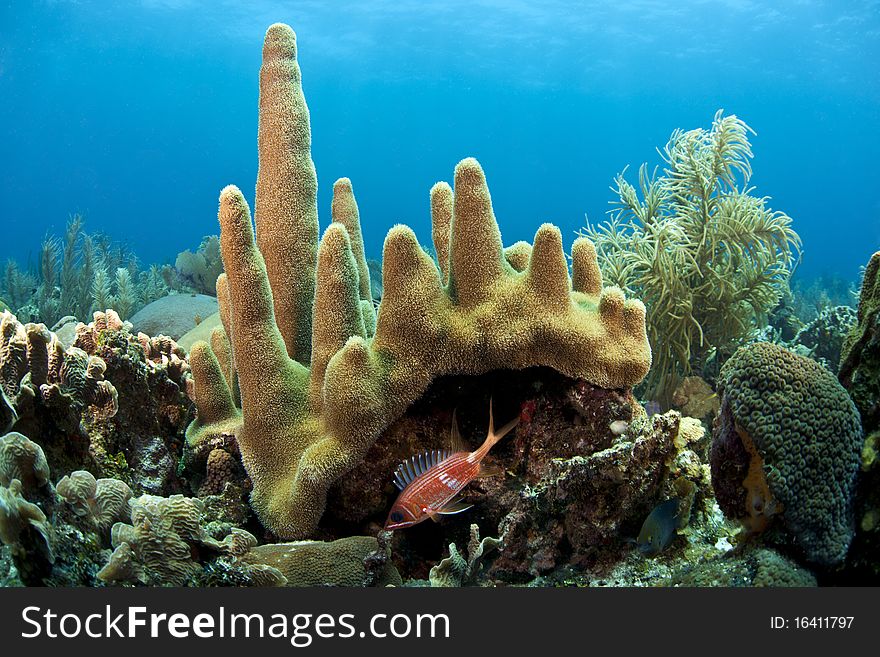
[22, 459]
[318, 563]
[860, 375]
[860, 353]
[787, 445]
[39, 376]
[318, 384]
[103, 501]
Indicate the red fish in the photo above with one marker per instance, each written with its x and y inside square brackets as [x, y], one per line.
[431, 482]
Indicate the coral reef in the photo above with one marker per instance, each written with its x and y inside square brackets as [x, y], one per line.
[583, 505]
[200, 270]
[22, 459]
[24, 528]
[47, 389]
[860, 375]
[70, 399]
[174, 315]
[786, 446]
[822, 338]
[161, 545]
[560, 420]
[61, 540]
[46, 548]
[572, 485]
[860, 354]
[65, 398]
[756, 567]
[316, 394]
[317, 563]
[316, 371]
[103, 501]
[458, 570]
[709, 259]
[141, 444]
[80, 273]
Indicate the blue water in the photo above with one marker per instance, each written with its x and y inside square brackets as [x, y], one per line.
[137, 114]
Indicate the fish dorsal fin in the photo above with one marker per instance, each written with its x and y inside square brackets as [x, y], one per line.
[418, 465]
[456, 444]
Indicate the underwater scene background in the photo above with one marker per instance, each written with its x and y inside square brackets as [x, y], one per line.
[650, 357]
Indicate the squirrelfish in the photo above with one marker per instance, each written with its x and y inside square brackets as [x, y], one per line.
[430, 483]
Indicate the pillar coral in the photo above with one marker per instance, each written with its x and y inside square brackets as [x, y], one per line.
[309, 418]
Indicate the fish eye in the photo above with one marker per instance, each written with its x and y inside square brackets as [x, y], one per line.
[396, 516]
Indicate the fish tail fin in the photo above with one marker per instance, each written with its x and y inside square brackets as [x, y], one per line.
[494, 436]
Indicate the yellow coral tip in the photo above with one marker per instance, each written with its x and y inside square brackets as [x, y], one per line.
[281, 39]
[199, 348]
[229, 193]
[469, 168]
[440, 187]
[611, 302]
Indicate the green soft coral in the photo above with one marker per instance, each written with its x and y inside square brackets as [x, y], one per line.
[708, 258]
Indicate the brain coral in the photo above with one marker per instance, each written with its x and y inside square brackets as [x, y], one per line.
[456, 570]
[163, 543]
[757, 567]
[787, 442]
[104, 501]
[38, 376]
[23, 526]
[318, 563]
[22, 459]
[318, 383]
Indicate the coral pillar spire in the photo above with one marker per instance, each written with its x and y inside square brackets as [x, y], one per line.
[337, 307]
[344, 210]
[476, 258]
[303, 428]
[441, 221]
[286, 211]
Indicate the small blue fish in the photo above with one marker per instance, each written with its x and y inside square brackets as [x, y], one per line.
[658, 530]
[653, 408]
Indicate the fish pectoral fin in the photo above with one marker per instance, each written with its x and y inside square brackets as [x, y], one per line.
[489, 471]
[455, 506]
